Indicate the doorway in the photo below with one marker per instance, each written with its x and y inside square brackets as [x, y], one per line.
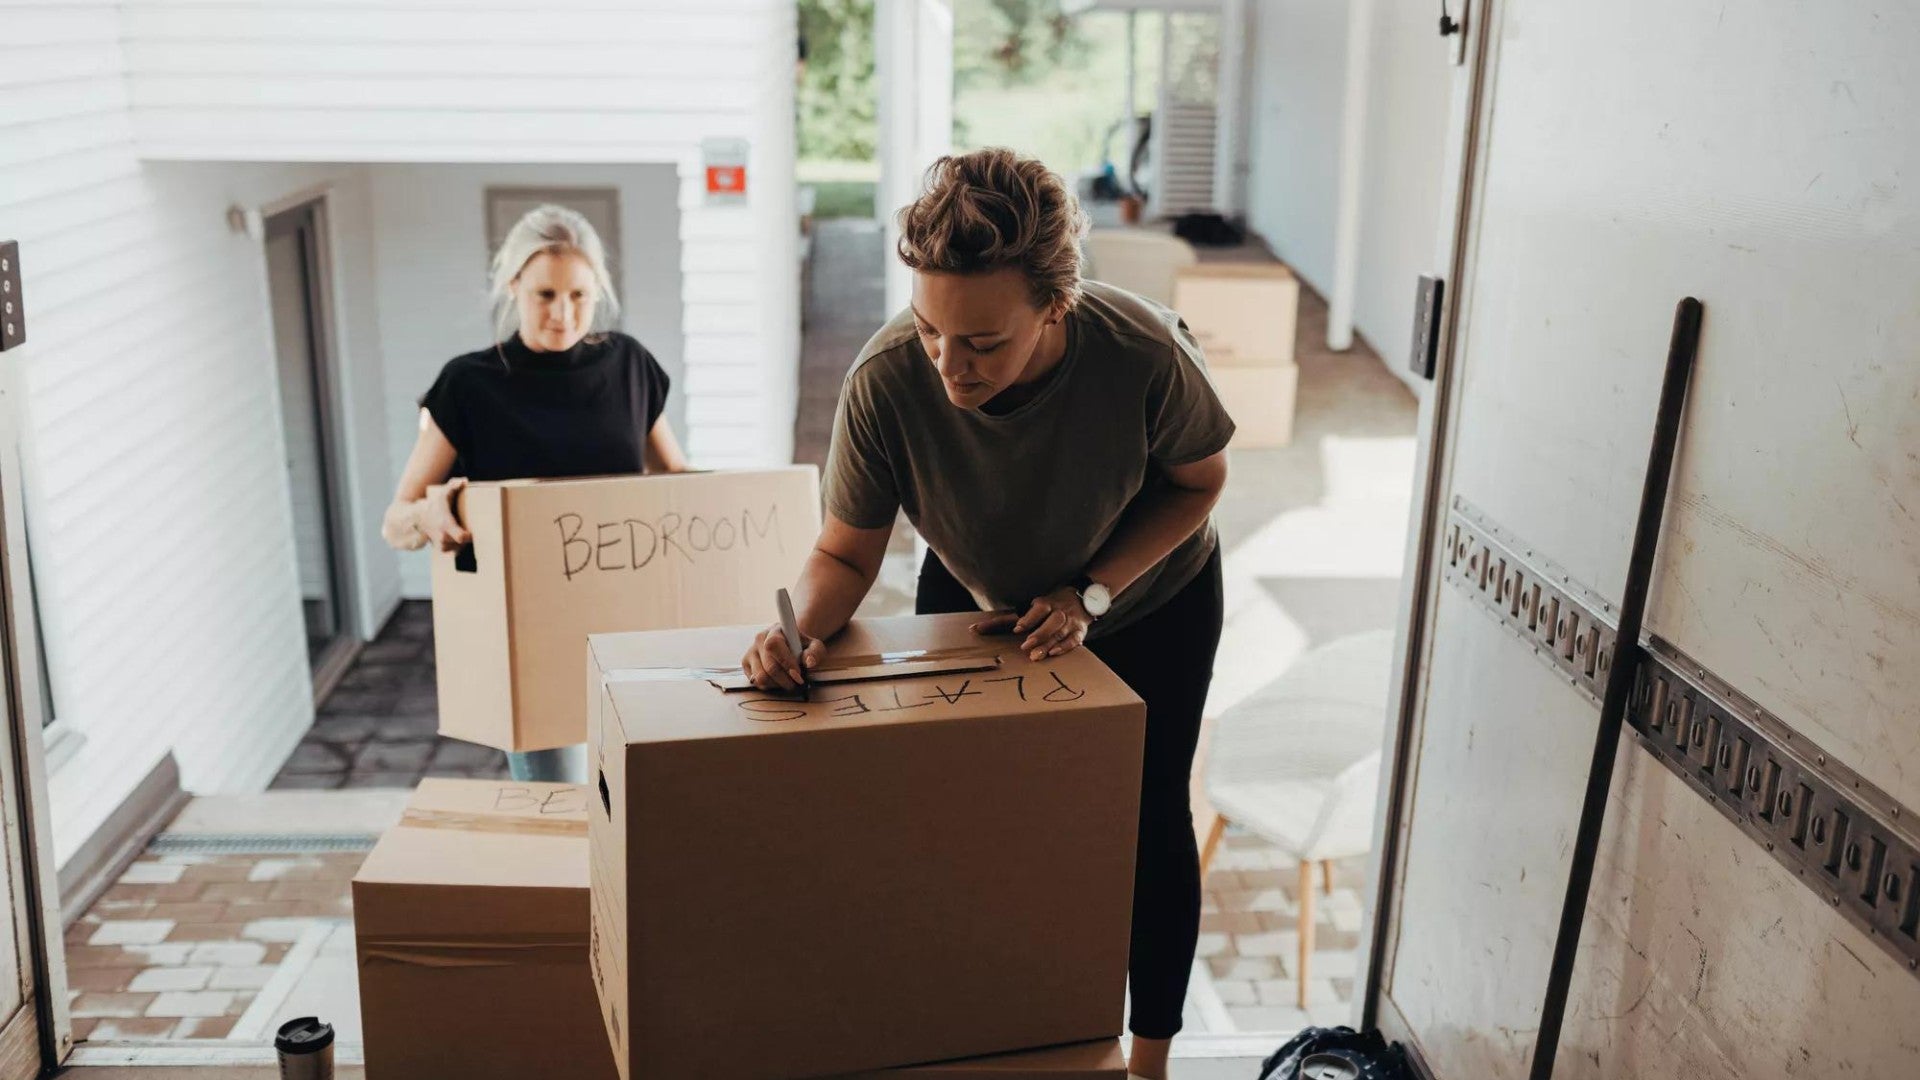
[298, 300]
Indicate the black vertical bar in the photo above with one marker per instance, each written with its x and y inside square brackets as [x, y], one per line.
[1626, 662]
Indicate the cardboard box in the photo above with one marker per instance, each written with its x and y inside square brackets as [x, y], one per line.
[470, 920]
[908, 870]
[1099, 1060]
[555, 560]
[1242, 314]
[510, 859]
[1260, 400]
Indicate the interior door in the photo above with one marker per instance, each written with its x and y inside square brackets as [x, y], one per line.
[295, 286]
[1760, 157]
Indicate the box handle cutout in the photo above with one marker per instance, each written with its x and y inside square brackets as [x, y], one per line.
[606, 797]
[463, 560]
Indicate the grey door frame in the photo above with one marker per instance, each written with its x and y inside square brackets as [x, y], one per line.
[307, 221]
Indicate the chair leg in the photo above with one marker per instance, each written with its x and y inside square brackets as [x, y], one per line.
[1212, 843]
[1326, 874]
[1306, 928]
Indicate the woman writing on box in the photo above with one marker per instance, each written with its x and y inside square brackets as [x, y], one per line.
[561, 396]
[1058, 445]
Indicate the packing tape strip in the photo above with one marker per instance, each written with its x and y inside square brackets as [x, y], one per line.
[982, 651]
[477, 951]
[865, 667]
[666, 674]
[496, 823]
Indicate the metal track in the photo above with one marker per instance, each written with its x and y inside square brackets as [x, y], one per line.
[1843, 837]
[259, 843]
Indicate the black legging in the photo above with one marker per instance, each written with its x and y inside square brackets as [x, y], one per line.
[1167, 659]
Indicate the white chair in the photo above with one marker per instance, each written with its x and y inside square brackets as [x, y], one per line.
[1298, 763]
[1141, 261]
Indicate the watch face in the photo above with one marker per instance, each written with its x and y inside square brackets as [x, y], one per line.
[1096, 599]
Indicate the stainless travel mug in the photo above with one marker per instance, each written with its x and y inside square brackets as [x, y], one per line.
[305, 1047]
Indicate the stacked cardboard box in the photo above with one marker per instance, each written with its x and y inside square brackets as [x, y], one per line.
[1243, 316]
[470, 919]
[472, 922]
[553, 561]
[915, 868]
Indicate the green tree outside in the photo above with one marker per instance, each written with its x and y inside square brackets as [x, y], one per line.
[1025, 76]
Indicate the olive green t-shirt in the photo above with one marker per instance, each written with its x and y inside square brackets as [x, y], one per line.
[1018, 504]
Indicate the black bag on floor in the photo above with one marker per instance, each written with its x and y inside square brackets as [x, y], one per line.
[1336, 1053]
[1208, 230]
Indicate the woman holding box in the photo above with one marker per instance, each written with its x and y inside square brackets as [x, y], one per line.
[560, 396]
[1060, 448]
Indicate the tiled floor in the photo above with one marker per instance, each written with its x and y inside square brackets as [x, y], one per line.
[845, 306]
[377, 729]
[218, 946]
[194, 946]
[1250, 938]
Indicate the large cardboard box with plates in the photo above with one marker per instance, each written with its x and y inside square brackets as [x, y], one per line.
[905, 870]
[553, 561]
[470, 919]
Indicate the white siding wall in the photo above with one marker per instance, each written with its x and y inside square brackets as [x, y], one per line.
[489, 81]
[150, 432]
[1299, 72]
[430, 253]
[1299, 68]
[741, 285]
[1409, 80]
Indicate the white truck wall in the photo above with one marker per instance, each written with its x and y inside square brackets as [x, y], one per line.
[1756, 157]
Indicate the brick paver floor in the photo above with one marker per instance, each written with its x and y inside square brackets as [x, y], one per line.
[183, 946]
[1250, 937]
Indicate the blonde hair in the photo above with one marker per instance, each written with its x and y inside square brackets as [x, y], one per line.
[992, 210]
[550, 230]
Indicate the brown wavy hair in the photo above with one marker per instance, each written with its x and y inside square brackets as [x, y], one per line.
[994, 210]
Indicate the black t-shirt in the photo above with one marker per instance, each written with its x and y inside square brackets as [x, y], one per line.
[513, 414]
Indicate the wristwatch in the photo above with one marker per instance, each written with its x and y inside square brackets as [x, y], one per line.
[1095, 597]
